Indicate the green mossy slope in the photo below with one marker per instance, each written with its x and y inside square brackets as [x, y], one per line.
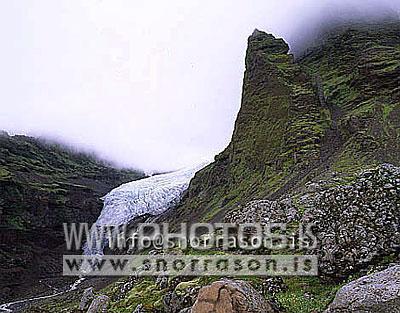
[42, 186]
[336, 109]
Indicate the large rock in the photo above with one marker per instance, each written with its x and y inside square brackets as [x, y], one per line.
[227, 296]
[376, 293]
[357, 223]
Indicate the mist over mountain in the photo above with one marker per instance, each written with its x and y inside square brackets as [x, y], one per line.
[313, 149]
[154, 86]
[333, 17]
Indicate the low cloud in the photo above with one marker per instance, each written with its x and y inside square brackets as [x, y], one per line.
[154, 85]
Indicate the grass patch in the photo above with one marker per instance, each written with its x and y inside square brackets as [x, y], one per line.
[307, 295]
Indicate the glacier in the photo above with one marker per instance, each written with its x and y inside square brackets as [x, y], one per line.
[152, 195]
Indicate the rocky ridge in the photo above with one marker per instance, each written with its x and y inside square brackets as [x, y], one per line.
[355, 223]
[334, 109]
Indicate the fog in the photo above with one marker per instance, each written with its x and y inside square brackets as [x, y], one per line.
[154, 85]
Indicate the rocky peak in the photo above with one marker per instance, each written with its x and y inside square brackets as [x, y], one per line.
[260, 41]
[276, 129]
[334, 110]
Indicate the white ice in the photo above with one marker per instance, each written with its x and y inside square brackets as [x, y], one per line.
[153, 196]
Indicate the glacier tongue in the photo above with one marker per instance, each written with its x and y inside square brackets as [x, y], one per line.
[151, 195]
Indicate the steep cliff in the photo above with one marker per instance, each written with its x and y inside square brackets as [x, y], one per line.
[42, 186]
[335, 109]
[359, 70]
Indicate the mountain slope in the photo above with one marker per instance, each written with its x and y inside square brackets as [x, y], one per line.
[42, 186]
[359, 67]
[336, 109]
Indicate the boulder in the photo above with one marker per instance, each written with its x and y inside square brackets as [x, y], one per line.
[99, 304]
[228, 296]
[376, 293]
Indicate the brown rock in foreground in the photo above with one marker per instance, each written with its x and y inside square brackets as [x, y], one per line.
[227, 296]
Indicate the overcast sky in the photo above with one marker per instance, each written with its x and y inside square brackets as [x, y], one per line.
[154, 85]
